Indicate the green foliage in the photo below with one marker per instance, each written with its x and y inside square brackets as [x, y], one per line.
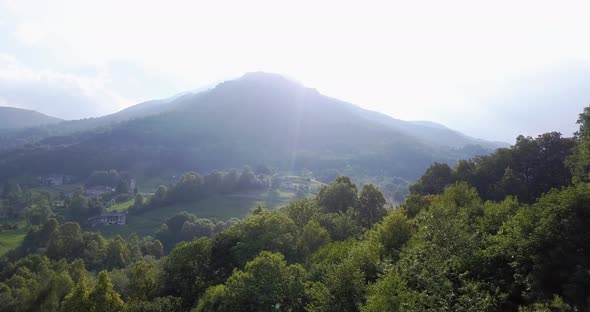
[341, 289]
[342, 225]
[579, 161]
[452, 251]
[38, 213]
[79, 298]
[392, 234]
[302, 211]
[214, 300]
[312, 238]
[540, 248]
[104, 298]
[268, 230]
[555, 305]
[78, 207]
[413, 204]
[390, 293]
[193, 187]
[185, 226]
[187, 270]
[69, 242]
[143, 281]
[160, 304]
[266, 284]
[371, 205]
[122, 187]
[526, 170]
[338, 196]
[434, 180]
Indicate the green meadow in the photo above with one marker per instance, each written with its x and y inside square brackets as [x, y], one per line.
[221, 207]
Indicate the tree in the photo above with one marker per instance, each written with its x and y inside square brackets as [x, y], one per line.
[371, 205]
[122, 187]
[59, 285]
[248, 180]
[266, 284]
[341, 225]
[38, 213]
[579, 161]
[214, 300]
[338, 196]
[176, 222]
[6, 297]
[187, 271]
[389, 294]
[434, 180]
[66, 243]
[198, 228]
[160, 304]
[117, 254]
[312, 238]
[392, 234]
[190, 187]
[143, 281]
[138, 203]
[302, 211]
[413, 204]
[160, 196]
[542, 248]
[79, 298]
[95, 207]
[266, 230]
[230, 180]
[78, 207]
[214, 182]
[154, 248]
[104, 298]
[341, 290]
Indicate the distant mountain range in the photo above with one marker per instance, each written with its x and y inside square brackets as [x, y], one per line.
[259, 118]
[16, 118]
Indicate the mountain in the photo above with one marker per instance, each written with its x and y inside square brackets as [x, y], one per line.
[16, 118]
[259, 118]
[19, 137]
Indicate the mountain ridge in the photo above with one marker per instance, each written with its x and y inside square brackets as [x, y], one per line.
[18, 118]
[256, 119]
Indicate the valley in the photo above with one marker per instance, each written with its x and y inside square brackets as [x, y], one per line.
[263, 188]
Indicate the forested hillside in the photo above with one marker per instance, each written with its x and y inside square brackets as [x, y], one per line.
[257, 119]
[505, 232]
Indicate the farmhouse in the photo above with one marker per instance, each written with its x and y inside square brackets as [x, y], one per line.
[109, 219]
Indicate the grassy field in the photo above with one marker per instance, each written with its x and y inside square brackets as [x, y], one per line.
[12, 238]
[121, 207]
[222, 207]
[55, 190]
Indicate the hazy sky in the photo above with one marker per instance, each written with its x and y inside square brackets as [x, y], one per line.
[491, 69]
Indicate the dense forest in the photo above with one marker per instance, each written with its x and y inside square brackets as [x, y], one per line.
[503, 232]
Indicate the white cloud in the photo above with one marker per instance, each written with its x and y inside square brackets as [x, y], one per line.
[55, 93]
